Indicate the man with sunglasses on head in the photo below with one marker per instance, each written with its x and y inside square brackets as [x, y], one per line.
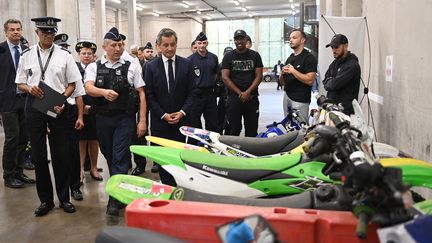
[54, 66]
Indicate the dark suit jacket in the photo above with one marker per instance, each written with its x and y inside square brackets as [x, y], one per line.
[159, 100]
[7, 78]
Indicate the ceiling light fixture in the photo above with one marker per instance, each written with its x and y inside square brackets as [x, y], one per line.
[208, 17]
[139, 8]
[155, 14]
[198, 12]
[250, 15]
[116, 1]
[292, 6]
[236, 2]
[244, 9]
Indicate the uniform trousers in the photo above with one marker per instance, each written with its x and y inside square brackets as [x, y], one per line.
[37, 124]
[74, 154]
[205, 104]
[115, 132]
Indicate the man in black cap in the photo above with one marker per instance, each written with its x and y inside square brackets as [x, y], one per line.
[61, 40]
[298, 75]
[117, 89]
[88, 143]
[205, 68]
[242, 73]
[342, 79]
[52, 65]
[12, 102]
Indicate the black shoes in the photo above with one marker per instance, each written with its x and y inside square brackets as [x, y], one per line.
[23, 178]
[68, 207]
[155, 168]
[43, 209]
[28, 165]
[77, 194]
[113, 208]
[139, 169]
[97, 178]
[12, 182]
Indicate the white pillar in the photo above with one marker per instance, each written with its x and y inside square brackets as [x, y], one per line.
[84, 16]
[132, 23]
[100, 24]
[333, 7]
[118, 20]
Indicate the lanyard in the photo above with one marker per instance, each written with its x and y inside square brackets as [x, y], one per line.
[43, 69]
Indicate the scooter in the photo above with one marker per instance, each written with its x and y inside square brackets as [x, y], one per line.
[268, 176]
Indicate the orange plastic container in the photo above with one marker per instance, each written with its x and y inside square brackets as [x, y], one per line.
[197, 222]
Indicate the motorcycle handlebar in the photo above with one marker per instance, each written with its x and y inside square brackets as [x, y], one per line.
[362, 224]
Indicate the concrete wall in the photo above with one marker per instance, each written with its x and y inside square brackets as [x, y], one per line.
[24, 11]
[400, 29]
[186, 31]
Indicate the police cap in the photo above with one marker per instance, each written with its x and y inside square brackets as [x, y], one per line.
[85, 44]
[46, 24]
[113, 34]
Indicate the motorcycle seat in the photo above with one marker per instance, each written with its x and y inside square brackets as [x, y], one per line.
[264, 146]
[239, 169]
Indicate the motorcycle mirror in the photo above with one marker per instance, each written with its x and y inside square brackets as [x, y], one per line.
[252, 228]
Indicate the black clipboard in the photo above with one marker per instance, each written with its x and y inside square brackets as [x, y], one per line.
[50, 99]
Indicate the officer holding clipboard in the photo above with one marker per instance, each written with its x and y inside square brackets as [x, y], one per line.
[54, 67]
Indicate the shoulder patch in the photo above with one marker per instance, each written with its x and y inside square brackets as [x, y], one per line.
[65, 50]
[26, 50]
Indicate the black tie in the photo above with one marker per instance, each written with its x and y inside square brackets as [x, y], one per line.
[170, 76]
[17, 56]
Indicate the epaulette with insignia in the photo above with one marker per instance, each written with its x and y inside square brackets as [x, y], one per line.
[64, 49]
[26, 50]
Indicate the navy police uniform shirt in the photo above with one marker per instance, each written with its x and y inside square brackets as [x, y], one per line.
[205, 69]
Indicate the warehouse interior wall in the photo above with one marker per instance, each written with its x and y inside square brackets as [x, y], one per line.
[400, 88]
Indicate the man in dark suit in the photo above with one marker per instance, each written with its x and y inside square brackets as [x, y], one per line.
[12, 108]
[169, 90]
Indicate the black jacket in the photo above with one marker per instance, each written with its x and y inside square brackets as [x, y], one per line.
[342, 81]
[8, 87]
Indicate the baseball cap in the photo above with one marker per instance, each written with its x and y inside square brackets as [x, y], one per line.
[240, 33]
[337, 40]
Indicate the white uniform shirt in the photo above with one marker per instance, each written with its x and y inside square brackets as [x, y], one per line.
[134, 73]
[61, 69]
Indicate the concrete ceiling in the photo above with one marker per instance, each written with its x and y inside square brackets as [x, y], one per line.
[213, 9]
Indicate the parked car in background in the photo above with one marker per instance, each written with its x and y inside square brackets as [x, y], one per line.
[268, 75]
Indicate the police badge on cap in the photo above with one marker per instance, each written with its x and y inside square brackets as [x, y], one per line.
[85, 44]
[46, 24]
[61, 40]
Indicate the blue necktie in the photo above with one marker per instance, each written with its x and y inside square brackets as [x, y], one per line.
[17, 57]
[170, 76]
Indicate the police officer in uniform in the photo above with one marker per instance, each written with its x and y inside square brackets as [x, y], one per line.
[117, 89]
[87, 136]
[205, 67]
[48, 63]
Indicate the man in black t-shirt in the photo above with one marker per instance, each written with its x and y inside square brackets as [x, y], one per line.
[242, 73]
[298, 75]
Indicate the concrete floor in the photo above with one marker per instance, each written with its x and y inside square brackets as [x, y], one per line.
[18, 223]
